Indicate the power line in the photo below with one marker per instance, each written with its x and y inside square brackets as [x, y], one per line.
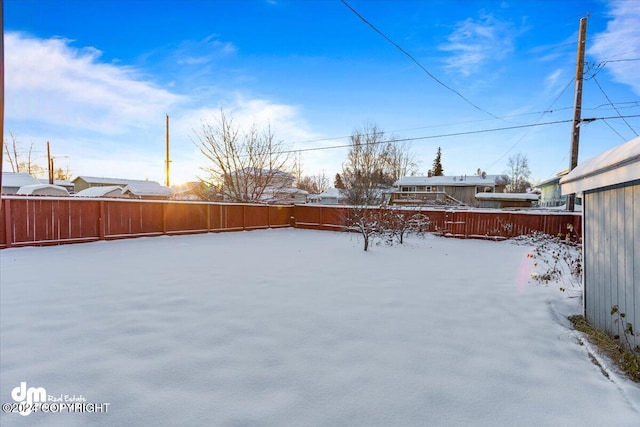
[422, 67]
[614, 107]
[539, 118]
[470, 132]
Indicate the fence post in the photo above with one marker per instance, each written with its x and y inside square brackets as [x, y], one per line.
[208, 217]
[7, 222]
[102, 221]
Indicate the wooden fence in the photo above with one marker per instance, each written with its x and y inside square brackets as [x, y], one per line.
[28, 221]
[491, 224]
[36, 221]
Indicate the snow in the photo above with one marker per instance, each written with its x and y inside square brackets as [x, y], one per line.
[109, 190]
[42, 190]
[298, 328]
[147, 188]
[17, 179]
[619, 165]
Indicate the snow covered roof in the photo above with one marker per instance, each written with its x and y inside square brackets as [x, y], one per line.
[106, 191]
[333, 192]
[107, 181]
[17, 179]
[42, 190]
[618, 165]
[457, 180]
[507, 196]
[147, 188]
[60, 182]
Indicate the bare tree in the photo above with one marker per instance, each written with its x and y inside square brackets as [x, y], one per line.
[363, 178]
[20, 162]
[314, 184]
[399, 161]
[247, 166]
[518, 173]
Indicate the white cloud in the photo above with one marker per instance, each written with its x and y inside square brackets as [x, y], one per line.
[109, 118]
[476, 42]
[620, 41]
[52, 83]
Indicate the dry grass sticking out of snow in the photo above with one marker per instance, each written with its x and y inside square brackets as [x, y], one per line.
[298, 328]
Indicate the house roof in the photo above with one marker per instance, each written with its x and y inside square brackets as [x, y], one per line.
[456, 181]
[42, 189]
[106, 181]
[60, 182]
[333, 192]
[618, 165]
[508, 196]
[17, 179]
[147, 188]
[99, 191]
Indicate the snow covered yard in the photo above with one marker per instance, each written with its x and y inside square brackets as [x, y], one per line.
[298, 328]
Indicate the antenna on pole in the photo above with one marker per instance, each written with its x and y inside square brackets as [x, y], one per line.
[167, 183]
[577, 105]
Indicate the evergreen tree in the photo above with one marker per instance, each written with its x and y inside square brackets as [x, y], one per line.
[437, 164]
[338, 182]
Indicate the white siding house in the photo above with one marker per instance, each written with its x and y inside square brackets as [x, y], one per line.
[610, 187]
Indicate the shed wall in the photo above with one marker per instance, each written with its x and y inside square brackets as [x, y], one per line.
[612, 257]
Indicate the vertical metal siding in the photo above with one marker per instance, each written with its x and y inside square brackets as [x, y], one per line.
[612, 258]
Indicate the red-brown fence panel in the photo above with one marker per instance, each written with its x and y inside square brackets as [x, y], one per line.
[280, 216]
[186, 217]
[133, 218]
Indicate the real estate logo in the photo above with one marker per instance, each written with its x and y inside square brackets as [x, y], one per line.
[28, 398]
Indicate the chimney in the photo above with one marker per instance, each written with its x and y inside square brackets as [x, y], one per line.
[429, 173]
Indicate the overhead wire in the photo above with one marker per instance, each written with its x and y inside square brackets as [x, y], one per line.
[412, 58]
[614, 107]
[445, 135]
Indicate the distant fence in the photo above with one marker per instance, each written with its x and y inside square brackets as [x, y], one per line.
[30, 221]
[36, 221]
[492, 224]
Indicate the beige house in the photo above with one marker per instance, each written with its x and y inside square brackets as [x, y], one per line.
[445, 190]
[132, 188]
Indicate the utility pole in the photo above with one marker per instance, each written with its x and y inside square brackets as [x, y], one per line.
[577, 105]
[49, 163]
[167, 183]
[2, 94]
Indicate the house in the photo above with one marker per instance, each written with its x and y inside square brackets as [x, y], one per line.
[506, 200]
[445, 190]
[108, 191]
[150, 190]
[263, 185]
[193, 190]
[551, 194]
[42, 190]
[12, 181]
[331, 196]
[139, 189]
[610, 188]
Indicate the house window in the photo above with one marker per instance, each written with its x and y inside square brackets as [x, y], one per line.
[407, 189]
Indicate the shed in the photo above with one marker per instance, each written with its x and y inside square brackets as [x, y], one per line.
[43, 190]
[506, 200]
[108, 191]
[610, 188]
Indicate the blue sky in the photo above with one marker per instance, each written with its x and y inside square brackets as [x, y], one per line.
[96, 79]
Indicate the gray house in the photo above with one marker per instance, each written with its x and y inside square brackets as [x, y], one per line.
[610, 188]
[12, 181]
